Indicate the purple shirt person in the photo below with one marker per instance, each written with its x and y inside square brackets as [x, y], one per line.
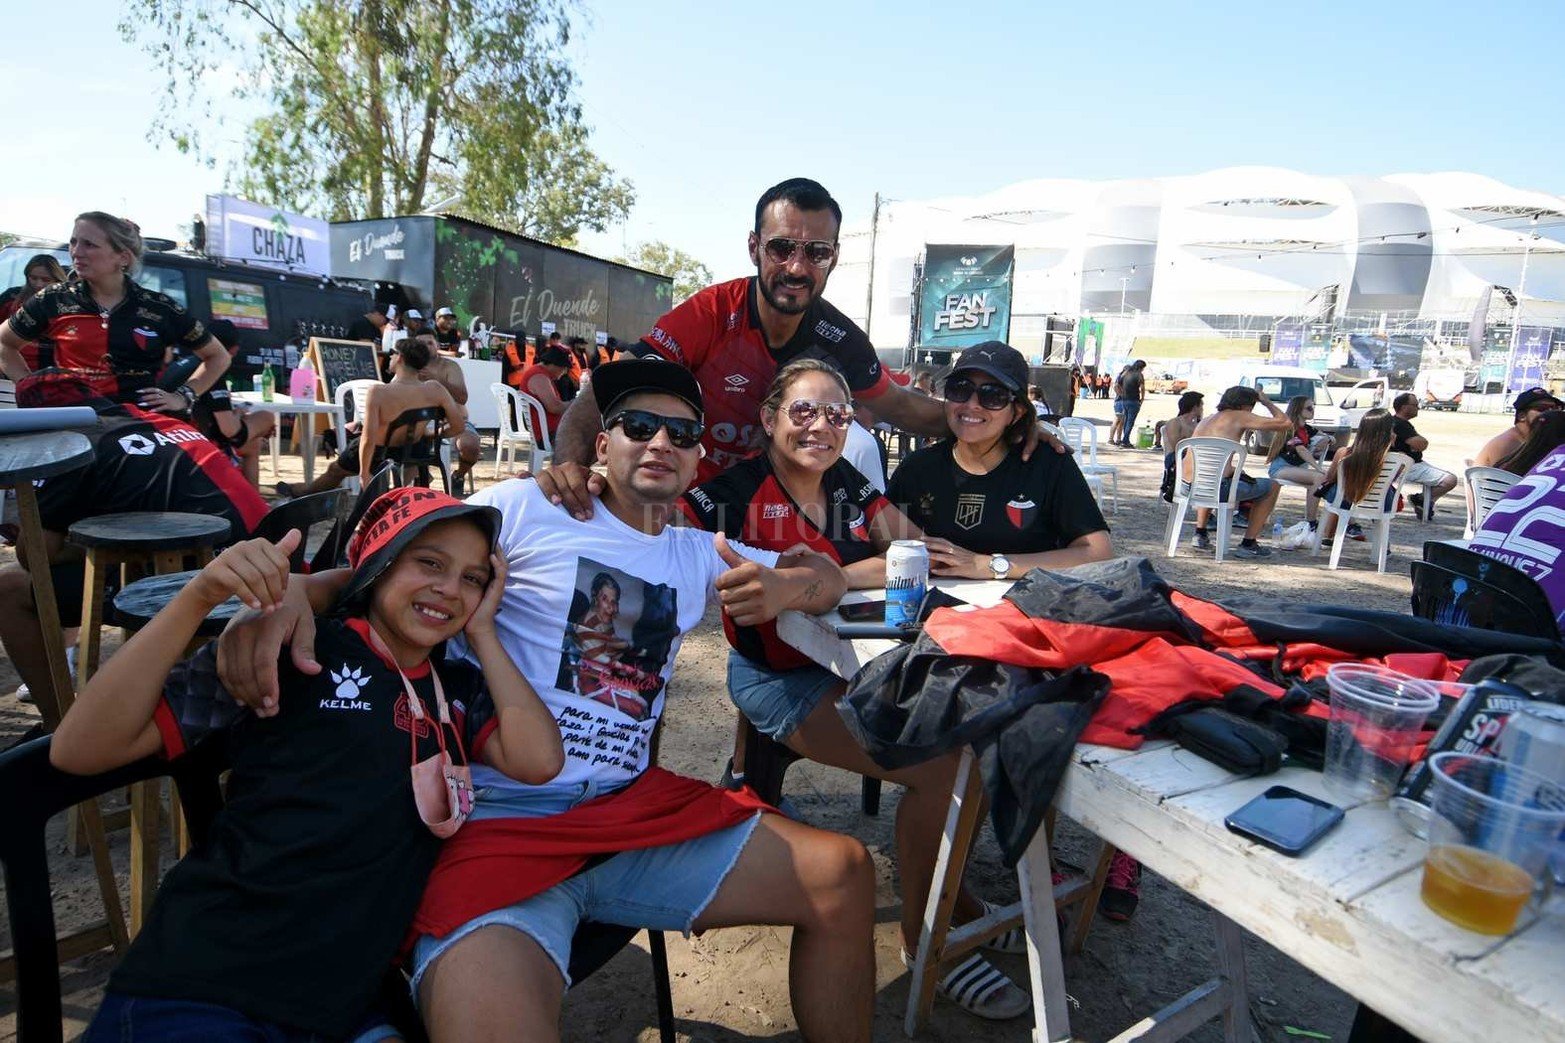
[1527, 529]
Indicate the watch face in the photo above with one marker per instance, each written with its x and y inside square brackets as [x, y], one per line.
[999, 564]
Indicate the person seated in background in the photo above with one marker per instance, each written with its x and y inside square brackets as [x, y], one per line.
[1233, 419]
[1412, 444]
[142, 461]
[449, 336]
[465, 439]
[1530, 405]
[1290, 459]
[240, 433]
[1172, 432]
[382, 405]
[1545, 435]
[290, 892]
[1526, 529]
[1040, 405]
[541, 381]
[39, 273]
[1357, 467]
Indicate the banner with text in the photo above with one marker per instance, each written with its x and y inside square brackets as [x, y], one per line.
[1317, 347]
[1287, 344]
[239, 230]
[1528, 357]
[966, 295]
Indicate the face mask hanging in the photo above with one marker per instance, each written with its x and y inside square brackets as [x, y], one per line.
[442, 790]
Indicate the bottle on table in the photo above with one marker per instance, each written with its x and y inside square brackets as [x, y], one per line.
[268, 383]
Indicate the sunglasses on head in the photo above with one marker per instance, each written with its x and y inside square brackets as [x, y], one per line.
[803, 413]
[640, 425]
[781, 249]
[990, 396]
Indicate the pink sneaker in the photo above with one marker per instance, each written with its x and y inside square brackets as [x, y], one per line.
[1122, 890]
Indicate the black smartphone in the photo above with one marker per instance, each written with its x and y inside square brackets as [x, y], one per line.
[866, 619]
[862, 611]
[1285, 820]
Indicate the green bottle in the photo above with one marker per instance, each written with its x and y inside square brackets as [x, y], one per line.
[268, 383]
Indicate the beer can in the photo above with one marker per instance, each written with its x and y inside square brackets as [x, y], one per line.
[907, 581]
[1474, 726]
[1534, 738]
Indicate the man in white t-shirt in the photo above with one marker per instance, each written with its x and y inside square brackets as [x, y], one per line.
[593, 614]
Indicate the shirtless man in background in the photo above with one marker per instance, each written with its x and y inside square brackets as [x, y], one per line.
[1234, 417]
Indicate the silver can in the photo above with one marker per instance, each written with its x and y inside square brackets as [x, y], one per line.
[1534, 738]
[907, 581]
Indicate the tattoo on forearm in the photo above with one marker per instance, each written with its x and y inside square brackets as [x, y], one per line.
[812, 591]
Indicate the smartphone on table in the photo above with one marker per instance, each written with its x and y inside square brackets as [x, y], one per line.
[1285, 820]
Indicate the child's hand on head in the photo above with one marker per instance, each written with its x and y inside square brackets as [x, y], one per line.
[482, 619]
[255, 570]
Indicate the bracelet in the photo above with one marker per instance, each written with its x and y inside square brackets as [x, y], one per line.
[189, 395]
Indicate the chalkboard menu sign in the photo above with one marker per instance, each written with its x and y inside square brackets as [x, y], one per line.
[339, 361]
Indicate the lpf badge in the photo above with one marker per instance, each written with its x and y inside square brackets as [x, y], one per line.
[969, 510]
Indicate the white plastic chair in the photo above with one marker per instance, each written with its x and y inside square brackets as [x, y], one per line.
[358, 391]
[1378, 506]
[1486, 486]
[1082, 436]
[1211, 460]
[513, 425]
[536, 420]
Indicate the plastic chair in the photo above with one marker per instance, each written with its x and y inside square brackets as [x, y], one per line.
[354, 393]
[303, 513]
[536, 420]
[421, 445]
[32, 791]
[1082, 436]
[513, 430]
[333, 551]
[1492, 573]
[1211, 459]
[1486, 486]
[1378, 506]
[1447, 596]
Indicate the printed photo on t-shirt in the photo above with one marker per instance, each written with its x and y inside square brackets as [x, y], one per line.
[617, 638]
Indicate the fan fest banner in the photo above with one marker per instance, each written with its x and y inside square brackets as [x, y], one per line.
[1529, 352]
[966, 295]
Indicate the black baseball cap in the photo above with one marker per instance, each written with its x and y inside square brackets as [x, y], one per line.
[554, 356]
[1534, 397]
[998, 359]
[614, 380]
[392, 522]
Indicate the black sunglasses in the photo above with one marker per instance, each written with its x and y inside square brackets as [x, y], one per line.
[818, 252]
[643, 426]
[990, 396]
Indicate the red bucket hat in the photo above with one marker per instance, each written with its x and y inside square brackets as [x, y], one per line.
[393, 521]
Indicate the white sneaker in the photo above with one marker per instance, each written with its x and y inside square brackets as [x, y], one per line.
[24, 694]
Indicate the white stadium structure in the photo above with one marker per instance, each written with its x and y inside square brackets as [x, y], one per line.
[1235, 250]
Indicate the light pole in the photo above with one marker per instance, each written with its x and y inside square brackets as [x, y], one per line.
[1124, 283]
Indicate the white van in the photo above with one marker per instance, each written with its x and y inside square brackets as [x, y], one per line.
[1280, 383]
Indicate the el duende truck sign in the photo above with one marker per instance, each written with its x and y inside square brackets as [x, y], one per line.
[239, 230]
[965, 298]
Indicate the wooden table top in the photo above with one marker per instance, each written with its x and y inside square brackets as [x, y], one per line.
[151, 530]
[42, 454]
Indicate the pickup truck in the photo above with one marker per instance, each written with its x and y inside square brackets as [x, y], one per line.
[1345, 410]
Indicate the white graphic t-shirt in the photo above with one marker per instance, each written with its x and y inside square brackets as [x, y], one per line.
[593, 614]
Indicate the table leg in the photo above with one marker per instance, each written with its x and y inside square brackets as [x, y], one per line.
[1230, 965]
[307, 446]
[1045, 964]
[87, 654]
[145, 798]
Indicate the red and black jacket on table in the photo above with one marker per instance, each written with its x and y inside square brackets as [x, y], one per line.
[747, 503]
[717, 335]
[118, 352]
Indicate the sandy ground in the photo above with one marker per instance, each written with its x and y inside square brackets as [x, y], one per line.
[732, 984]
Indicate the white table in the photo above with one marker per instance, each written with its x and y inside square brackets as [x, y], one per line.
[302, 407]
[1349, 909]
[478, 374]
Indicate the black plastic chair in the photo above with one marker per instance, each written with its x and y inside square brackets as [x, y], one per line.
[420, 443]
[333, 551]
[1443, 561]
[303, 514]
[766, 764]
[1445, 596]
[32, 791]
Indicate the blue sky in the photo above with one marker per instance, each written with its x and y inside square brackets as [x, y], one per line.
[704, 105]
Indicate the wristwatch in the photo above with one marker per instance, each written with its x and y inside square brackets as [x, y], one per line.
[999, 566]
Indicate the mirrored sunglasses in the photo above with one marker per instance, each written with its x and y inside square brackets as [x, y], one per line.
[803, 413]
[640, 425]
[818, 252]
[990, 396]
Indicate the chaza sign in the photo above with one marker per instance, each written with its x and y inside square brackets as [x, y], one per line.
[239, 230]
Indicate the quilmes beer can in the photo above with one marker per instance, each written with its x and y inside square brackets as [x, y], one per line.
[1534, 738]
[1474, 725]
[907, 581]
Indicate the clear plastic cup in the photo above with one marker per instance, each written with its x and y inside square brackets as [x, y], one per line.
[1376, 717]
[1491, 829]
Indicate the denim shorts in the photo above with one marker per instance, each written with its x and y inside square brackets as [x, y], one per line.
[659, 888]
[777, 701]
[1249, 488]
[131, 1019]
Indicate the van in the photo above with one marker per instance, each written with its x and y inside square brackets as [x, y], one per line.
[1281, 383]
[267, 307]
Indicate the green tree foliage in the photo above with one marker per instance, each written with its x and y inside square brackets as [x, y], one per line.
[368, 108]
[689, 274]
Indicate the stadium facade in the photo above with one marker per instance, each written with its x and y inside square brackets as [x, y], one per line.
[1232, 250]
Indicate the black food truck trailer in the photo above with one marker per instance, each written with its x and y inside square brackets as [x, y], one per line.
[507, 281]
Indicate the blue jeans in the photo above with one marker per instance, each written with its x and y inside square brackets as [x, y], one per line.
[132, 1019]
[1130, 408]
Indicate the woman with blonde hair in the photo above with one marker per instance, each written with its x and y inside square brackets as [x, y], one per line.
[1290, 457]
[108, 329]
[1357, 466]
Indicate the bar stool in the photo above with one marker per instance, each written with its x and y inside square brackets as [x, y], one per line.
[24, 459]
[144, 542]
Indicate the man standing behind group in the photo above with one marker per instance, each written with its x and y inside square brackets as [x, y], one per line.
[735, 335]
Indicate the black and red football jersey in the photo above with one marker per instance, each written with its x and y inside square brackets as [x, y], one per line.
[717, 335]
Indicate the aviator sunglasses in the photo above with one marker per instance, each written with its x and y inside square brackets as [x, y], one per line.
[990, 396]
[642, 426]
[818, 252]
[803, 413]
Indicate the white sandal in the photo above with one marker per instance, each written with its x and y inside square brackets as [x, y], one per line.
[1013, 942]
[980, 988]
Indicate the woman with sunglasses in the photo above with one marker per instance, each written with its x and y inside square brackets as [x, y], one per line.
[1291, 459]
[799, 491]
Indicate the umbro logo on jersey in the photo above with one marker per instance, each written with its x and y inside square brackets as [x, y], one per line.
[351, 682]
[736, 381]
[138, 445]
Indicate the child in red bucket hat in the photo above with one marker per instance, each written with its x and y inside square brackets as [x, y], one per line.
[338, 799]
